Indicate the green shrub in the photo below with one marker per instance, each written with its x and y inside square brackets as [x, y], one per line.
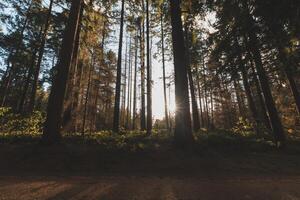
[243, 127]
[11, 123]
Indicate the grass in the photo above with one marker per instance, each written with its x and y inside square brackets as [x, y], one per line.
[218, 153]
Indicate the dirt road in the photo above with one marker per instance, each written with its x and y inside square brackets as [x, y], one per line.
[146, 188]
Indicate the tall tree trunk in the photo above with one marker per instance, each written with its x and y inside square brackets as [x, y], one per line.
[199, 94]
[195, 112]
[239, 98]
[183, 129]
[40, 58]
[212, 124]
[164, 69]
[278, 131]
[261, 99]
[135, 80]
[27, 83]
[129, 116]
[253, 46]
[281, 38]
[124, 87]
[76, 102]
[149, 81]
[87, 94]
[142, 52]
[94, 121]
[51, 133]
[205, 103]
[294, 88]
[289, 75]
[71, 98]
[116, 122]
[250, 99]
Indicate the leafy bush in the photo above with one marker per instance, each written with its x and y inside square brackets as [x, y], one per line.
[11, 123]
[243, 127]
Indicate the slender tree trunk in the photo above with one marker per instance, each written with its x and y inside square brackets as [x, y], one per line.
[239, 98]
[195, 112]
[253, 46]
[116, 122]
[142, 52]
[51, 133]
[212, 124]
[40, 58]
[164, 69]
[261, 99]
[87, 94]
[125, 86]
[289, 75]
[94, 121]
[278, 131]
[280, 38]
[250, 99]
[76, 103]
[169, 88]
[200, 99]
[135, 81]
[294, 88]
[149, 81]
[128, 115]
[27, 82]
[205, 96]
[183, 129]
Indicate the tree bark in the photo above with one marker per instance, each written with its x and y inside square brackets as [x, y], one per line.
[195, 112]
[250, 99]
[27, 83]
[116, 122]
[135, 81]
[164, 69]
[87, 94]
[261, 99]
[128, 115]
[51, 133]
[142, 52]
[277, 127]
[199, 94]
[183, 129]
[149, 81]
[124, 87]
[40, 58]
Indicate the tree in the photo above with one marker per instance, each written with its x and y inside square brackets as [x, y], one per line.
[149, 79]
[51, 132]
[116, 123]
[164, 66]
[183, 131]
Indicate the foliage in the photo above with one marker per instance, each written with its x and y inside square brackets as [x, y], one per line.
[11, 123]
[243, 127]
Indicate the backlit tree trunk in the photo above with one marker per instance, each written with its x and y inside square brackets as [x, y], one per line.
[183, 130]
[164, 69]
[116, 122]
[149, 81]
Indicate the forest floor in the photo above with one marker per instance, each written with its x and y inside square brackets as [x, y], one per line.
[132, 166]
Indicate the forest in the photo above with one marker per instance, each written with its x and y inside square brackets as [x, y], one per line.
[149, 99]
